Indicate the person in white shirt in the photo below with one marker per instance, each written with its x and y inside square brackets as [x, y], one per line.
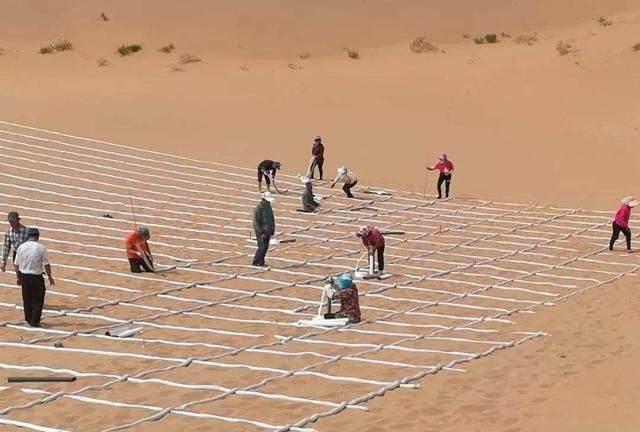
[349, 179]
[32, 259]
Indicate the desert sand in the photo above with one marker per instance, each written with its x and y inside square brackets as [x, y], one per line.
[522, 123]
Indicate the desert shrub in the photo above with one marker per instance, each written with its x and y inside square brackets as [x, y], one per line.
[528, 39]
[422, 45]
[188, 58]
[104, 17]
[304, 55]
[103, 62]
[167, 48]
[636, 47]
[564, 48]
[125, 50]
[479, 40]
[491, 38]
[604, 21]
[353, 54]
[58, 46]
[177, 68]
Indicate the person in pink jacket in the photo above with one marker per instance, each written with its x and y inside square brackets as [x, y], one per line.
[621, 221]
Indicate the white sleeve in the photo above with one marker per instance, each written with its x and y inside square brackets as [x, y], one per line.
[45, 256]
[18, 259]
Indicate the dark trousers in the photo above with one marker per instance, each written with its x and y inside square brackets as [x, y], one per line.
[138, 265]
[261, 253]
[347, 188]
[380, 253]
[616, 233]
[314, 164]
[446, 178]
[33, 291]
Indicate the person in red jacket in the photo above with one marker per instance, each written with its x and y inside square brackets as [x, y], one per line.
[445, 166]
[373, 240]
[138, 251]
[318, 157]
[621, 221]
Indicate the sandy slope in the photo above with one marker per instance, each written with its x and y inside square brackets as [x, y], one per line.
[522, 123]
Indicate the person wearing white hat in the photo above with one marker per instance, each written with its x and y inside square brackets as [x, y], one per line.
[349, 179]
[621, 221]
[264, 226]
[267, 169]
[445, 166]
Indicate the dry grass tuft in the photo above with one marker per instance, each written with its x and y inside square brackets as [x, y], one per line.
[167, 48]
[564, 48]
[353, 54]
[636, 47]
[604, 22]
[104, 17]
[304, 55]
[188, 58]
[528, 39]
[103, 62]
[177, 68]
[421, 45]
[59, 46]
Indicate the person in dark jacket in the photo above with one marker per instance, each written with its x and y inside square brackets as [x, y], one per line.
[264, 226]
[267, 169]
[318, 157]
[309, 204]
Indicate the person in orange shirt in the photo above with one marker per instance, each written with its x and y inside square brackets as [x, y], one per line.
[138, 251]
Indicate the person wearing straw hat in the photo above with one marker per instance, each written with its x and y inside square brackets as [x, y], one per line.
[349, 179]
[264, 226]
[621, 221]
[317, 152]
[32, 260]
[445, 166]
[344, 290]
[13, 237]
[138, 251]
[267, 169]
[373, 240]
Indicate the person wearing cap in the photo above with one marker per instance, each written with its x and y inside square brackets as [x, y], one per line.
[344, 290]
[309, 204]
[373, 241]
[13, 237]
[264, 226]
[621, 221]
[317, 151]
[32, 260]
[349, 179]
[267, 169]
[138, 251]
[445, 166]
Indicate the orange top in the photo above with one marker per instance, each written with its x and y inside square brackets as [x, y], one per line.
[132, 240]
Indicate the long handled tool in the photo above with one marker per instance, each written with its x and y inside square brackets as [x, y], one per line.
[133, 212]
[17, 379]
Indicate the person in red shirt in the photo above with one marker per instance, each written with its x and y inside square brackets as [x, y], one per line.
[621, 221]
[373, 240]
[318, 157]
[445, 166]
[138, 251]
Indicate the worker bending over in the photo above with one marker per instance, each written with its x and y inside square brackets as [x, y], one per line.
[138, 251]
[344, 290]
[373, 241]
